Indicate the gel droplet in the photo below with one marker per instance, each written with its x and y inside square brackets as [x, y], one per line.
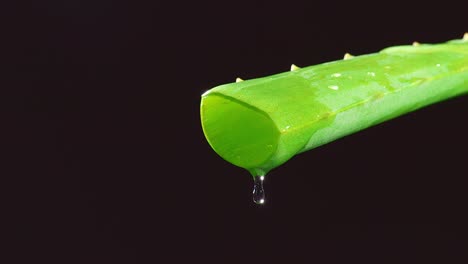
[258, 192]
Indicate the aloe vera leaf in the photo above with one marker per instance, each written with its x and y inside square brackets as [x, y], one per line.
[261, 123]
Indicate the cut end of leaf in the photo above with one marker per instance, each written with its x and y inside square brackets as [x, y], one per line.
[239, 80]
[415, 44]
[465, 36]
[241, 134]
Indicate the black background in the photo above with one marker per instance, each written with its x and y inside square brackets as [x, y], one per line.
[105, 161]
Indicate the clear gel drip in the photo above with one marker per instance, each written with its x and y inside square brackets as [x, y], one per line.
[258, 192]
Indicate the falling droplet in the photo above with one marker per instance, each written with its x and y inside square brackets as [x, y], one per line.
[258, 192]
